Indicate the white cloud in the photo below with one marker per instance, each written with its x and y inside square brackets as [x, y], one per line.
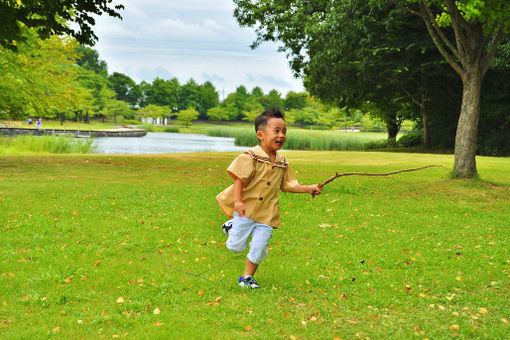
[186, 39]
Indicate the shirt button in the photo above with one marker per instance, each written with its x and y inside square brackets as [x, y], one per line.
[268, 183]
[260, 198]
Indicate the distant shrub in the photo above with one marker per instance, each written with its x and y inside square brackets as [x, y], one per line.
[381, 144]
[132, 122]
[173, 129]
[410, 140]
[149, 127]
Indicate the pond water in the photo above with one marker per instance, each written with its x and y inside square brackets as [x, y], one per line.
[162, 142]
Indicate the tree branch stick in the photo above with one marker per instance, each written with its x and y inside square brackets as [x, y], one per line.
[321, 185]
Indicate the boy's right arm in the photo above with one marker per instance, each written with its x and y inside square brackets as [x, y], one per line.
[238, 199]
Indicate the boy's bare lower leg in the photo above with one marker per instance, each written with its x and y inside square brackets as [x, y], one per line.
[250, 268]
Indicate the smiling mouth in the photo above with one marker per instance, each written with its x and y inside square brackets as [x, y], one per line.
[279, 142]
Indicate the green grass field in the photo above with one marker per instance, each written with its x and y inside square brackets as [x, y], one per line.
[87, 240]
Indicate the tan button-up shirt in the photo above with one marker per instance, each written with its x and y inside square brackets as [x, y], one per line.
[262, 181]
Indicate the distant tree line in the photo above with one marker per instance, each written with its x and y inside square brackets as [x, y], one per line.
[58, 78]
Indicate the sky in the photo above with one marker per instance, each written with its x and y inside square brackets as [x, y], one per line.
[185, 39]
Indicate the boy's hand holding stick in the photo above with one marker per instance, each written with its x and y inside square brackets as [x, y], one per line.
[321, 185]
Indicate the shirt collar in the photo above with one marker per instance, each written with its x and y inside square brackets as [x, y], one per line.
[260, 155]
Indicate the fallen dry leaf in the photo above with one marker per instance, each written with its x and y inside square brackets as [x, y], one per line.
[120, 299]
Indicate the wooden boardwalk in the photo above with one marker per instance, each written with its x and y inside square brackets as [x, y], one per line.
[121, 132]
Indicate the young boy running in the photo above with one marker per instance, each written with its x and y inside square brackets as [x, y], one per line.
[252, 201]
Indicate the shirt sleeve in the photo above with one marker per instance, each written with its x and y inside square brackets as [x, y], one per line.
[289, 180]
[242, 167]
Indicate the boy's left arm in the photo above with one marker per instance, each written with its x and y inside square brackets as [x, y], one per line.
[290, 184]
[313, 189]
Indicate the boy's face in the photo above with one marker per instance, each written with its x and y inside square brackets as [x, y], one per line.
[273, 135]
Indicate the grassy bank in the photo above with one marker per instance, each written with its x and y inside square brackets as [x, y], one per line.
[87, 240]
[300, 139]
[44, 144]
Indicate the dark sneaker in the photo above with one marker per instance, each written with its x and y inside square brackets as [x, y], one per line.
[248, 281]
[227, 226]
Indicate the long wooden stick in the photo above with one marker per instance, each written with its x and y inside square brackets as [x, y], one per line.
[321, 185]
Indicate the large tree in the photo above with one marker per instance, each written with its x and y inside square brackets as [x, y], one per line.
[126, 88]
[40, 78]
[477, 28]
[51, 17]
[163, 93]
[351, 53]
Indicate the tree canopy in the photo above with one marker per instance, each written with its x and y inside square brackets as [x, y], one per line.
[52, 18]
[360, 53]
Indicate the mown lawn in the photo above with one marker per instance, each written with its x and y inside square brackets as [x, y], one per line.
[87, 243]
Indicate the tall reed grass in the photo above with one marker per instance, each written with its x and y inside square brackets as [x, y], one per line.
[301, 139]
[45, 145]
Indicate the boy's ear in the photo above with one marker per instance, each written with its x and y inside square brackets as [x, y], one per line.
[259, 134]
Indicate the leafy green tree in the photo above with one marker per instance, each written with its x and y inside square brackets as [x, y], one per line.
[294, 100]
[99, 87]
[257, 92]
[187, 116]
[39, 78]
[217, 113]
[190, 96]
[224, 112]
[303, 116]
[209, 98]
[125, 87]
[52, 18]
[115, 108]
[251, 115]
[477, 28]
[155, 111]
[252, 109]
[272, 100]
[240, 99]
[145, 89]
[93, 76]
[164, 93]
[88, 59]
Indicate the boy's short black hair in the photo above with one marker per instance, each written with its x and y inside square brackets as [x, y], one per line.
[261, 120]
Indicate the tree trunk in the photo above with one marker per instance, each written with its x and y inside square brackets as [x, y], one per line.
[393, 126]
[465, 138]
[425, 122]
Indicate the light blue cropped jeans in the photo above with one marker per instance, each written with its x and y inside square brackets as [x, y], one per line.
[241, 230]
